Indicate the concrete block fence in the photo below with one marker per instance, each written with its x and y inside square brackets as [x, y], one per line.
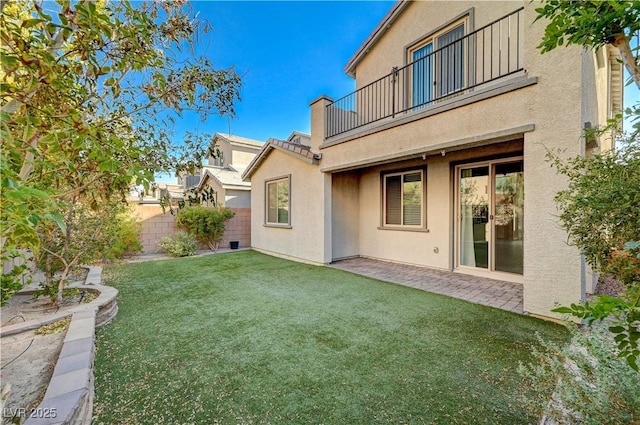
[156, 224]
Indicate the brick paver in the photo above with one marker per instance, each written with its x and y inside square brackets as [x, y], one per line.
[479, 290]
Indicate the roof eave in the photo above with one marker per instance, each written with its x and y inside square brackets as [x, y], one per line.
[383, 26]
[268, 147]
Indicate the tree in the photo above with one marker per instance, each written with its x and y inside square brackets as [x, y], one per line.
[89, 91]
[593, 24]
[601, 211]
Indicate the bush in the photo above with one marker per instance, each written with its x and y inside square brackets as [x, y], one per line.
[207, 225]
[127, 238]
[180, 244]
[585, 381]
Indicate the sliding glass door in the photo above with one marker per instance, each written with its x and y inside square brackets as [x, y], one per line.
[490, 216]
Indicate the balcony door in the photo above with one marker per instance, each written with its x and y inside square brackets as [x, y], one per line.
[438, 66]
[490, 216]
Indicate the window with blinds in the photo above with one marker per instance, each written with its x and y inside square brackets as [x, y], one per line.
[403, 199]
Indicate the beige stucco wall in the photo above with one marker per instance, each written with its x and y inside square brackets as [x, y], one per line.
[308, 238]
[433, 247]
[234, 198]
[235, 153]
[242, 155]
[231, 198]
[345, 214]
[420, 19]
[548, 112]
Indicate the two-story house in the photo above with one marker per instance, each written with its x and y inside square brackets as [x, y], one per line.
[438, 158]
[221, 179]
[223, 172]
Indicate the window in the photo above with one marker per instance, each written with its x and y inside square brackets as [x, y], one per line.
[403, 199]
[438, 65]
[218, 160]
[278, 201]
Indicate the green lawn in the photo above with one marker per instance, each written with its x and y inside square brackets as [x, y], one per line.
[244, 338]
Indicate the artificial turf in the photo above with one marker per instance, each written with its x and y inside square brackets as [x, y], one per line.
[245, 338]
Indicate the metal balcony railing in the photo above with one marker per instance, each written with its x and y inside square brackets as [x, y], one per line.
[478, 58]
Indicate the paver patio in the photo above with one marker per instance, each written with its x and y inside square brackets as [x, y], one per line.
[480, 290]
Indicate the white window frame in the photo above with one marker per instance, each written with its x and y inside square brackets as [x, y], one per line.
[276, 181]
[423, 192]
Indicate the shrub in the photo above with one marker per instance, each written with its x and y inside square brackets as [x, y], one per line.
[207, 225]
[126, 239]
[585, 381]
[180, 244]
[16, 277]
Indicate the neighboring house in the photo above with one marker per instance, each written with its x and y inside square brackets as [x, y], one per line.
[438, 158]
[221, 176]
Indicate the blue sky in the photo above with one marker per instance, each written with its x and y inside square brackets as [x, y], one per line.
[288, 53]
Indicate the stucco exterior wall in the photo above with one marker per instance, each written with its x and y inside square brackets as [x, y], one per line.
[433, 246]
[420, 19]
[546, 106]
[308, 238]
[237, 198]
[242, 155]
[552, 269]
[225, 150]
[235, 153]
[345, 213]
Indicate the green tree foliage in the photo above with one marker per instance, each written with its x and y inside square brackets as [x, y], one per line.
[89, 91]
[207, 225]
[126, 237]
[593, 24]
[601, 211]
[87, 236]
[601, 207]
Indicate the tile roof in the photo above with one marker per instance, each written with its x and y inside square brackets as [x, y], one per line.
[297, 150]
[300, 149]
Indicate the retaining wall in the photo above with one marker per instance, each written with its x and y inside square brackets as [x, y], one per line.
[69, 396]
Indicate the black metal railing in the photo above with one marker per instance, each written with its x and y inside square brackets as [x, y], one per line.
[478, 58]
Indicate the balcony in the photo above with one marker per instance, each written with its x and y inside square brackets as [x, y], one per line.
[462, 66]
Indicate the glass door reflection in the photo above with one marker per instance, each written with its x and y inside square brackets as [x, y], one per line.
[474, 217]
[508, 217]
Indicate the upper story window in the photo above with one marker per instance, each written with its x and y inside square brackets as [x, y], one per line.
[438, 64]
[278, 202]
[218, 160]
[403, 199]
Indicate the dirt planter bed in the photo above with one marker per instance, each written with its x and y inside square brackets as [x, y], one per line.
[69, 395]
